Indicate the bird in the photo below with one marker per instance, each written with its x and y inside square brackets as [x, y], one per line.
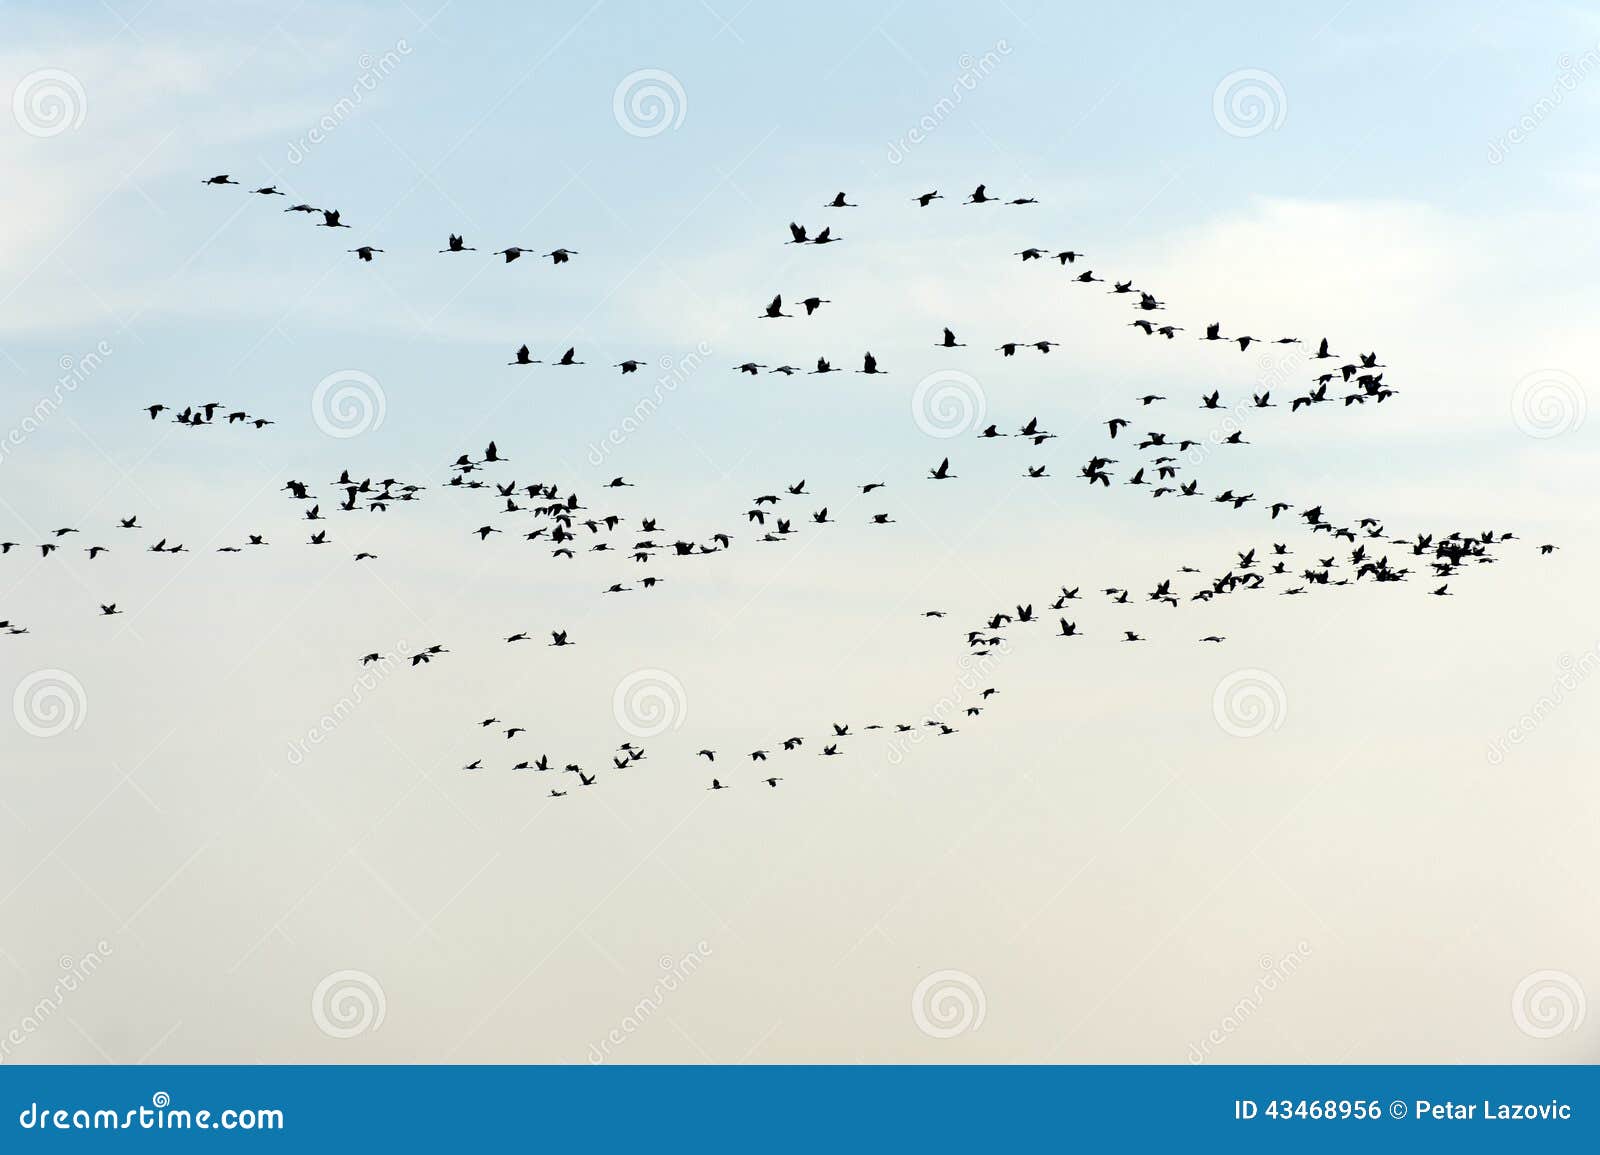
[979, 196]
[457, 245]
[942, 471]
[924, 199]
[838, 202]
[364, 253]
[511, 253]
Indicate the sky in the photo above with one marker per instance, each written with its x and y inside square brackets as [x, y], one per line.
[1358, 830]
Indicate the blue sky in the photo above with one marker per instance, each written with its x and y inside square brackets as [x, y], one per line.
[1108, 117]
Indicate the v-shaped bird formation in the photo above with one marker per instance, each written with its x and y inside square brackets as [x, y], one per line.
[629, 553]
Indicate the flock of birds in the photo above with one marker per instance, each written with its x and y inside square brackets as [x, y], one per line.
[1356, 550]
[198, 416]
